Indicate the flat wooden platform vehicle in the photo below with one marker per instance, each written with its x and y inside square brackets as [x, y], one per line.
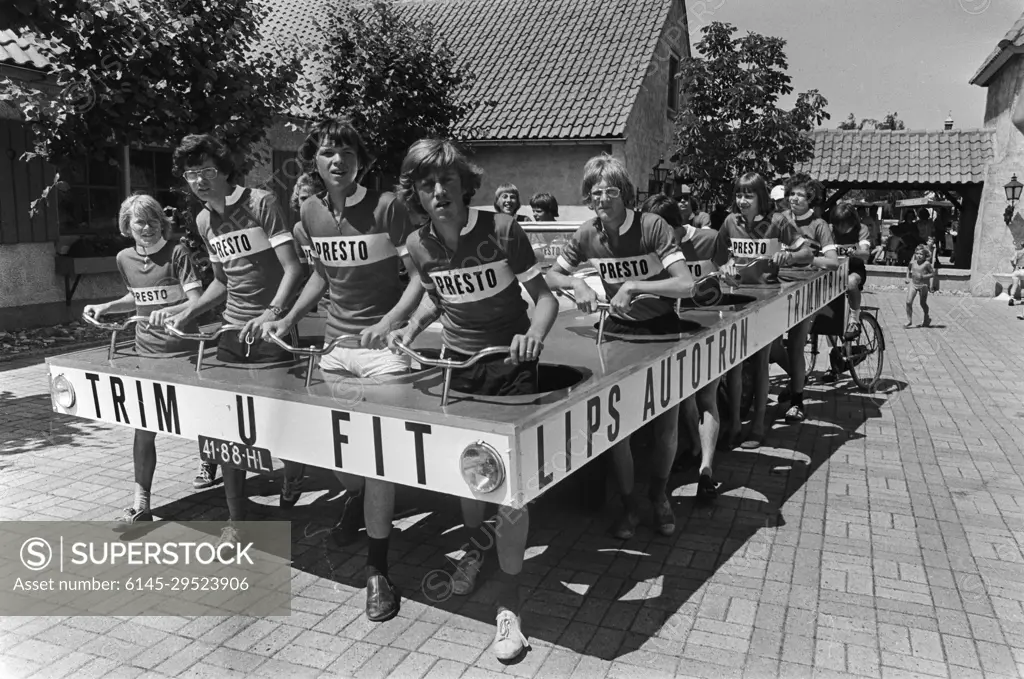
[507, 450]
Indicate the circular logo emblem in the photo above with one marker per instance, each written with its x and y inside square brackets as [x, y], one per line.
[36, 554]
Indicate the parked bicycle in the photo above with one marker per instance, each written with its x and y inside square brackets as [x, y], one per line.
[861, 355]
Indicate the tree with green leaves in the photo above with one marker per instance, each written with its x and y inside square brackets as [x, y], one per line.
[391, 72]
[730, 123]
[148, 72]
[890, 121]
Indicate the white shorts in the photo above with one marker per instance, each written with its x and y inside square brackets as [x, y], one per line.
[365, 362]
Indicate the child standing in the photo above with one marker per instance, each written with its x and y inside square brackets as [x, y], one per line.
[438, 182]
[919, 277]
[152, 269]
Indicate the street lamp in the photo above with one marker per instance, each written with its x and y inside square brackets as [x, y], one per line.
[1012, 190]
[659, 176]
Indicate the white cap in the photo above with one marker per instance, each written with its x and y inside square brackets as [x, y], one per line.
[779, 192]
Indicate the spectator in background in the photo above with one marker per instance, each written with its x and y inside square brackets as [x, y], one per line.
[778, 197]
[683, 194]
[866, 216]
[545, 207]
[306, 186]
[925, 225]
[506, 201]
[1017, 277]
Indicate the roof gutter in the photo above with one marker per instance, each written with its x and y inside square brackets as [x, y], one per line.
[25, 74]
[584, 141]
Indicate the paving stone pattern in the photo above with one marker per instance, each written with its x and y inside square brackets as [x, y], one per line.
[880, 538]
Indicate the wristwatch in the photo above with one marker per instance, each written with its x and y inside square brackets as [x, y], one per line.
[277, 311]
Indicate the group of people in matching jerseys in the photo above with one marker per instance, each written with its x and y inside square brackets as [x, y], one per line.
[355, 241]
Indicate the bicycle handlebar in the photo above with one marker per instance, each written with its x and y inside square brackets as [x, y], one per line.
[315, 351]
[604, 306]
[200, 336]
[448, 364]
[114, 327]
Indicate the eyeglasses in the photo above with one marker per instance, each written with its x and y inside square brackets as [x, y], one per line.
[206, 173]
[598, 194]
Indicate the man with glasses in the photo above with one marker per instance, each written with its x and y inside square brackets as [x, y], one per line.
[255, 268]
[634, 253]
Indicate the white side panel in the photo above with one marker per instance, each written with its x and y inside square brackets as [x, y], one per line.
[412, 453]
[571, 437]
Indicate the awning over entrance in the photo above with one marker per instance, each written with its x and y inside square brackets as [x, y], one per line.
[905, 159]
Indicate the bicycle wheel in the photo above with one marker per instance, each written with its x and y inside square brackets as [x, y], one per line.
[811, 352]
[864, 355]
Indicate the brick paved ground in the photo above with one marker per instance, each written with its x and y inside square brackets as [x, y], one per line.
[881, 538]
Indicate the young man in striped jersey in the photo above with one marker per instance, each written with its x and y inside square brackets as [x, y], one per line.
[355, 238]
[634, 253]
[474, 266]
[255, 269]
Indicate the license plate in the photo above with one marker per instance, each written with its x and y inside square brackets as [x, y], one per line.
[236, 455]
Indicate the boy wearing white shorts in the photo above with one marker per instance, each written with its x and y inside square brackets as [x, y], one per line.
[356, 239]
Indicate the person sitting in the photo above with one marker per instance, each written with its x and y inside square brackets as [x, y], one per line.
[544, 206]
[506, 201]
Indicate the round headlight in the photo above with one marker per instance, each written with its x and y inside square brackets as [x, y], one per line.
[63, 392]
[482, 467]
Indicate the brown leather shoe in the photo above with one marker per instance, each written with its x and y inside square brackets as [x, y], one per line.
[381, 599]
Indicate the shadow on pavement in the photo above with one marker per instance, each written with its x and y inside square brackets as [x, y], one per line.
[28, 424]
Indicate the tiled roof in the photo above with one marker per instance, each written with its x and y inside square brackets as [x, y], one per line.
[17, 51]
[1012, 42]
[904, 157]
[558, 69]
[563, 69]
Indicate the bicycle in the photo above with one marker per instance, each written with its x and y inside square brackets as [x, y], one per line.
[854, 354]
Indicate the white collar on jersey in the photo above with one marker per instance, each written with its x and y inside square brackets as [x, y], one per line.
[148, 251]
[804, 215]
[470, 223]
[233, 197]
[688, 232]
[624, 227]
[356, 197]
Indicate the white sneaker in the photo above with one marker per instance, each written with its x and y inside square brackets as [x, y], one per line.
[464, 577]
[508, 639]
[229, 535]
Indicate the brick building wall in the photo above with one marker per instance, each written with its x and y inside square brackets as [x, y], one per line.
[650, 126]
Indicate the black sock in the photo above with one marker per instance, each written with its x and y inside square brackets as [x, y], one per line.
[658, 488]
[508, 592]
[377, 556]
[630, 504]
[797, 399]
